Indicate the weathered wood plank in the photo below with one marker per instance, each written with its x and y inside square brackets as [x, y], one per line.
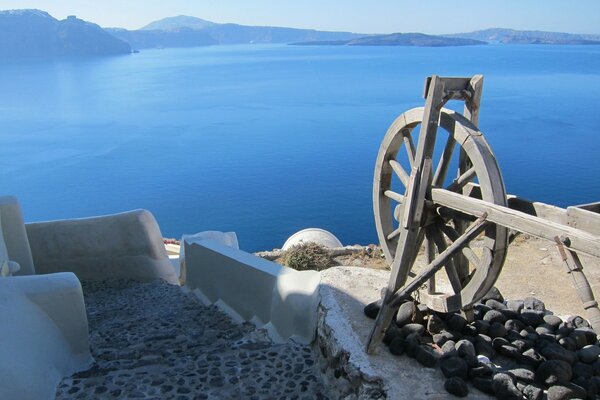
[579, 240]
[583, 219]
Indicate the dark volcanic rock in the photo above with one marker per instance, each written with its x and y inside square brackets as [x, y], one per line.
[442, 337]
[504, 387]
[493, 294]
[454, 367]
[498, 342]
[412, 342]
[590, 335]
[580, 338]
[481, 326]
[449, 349]
[465, 347]
[481, 371]
[486, 385]
[533, 392]
[372, 309]
[544, 328]
[567, 392]
[514, 324]
[531, 303]
[479, 310]
[577, 321]
[553, 321]
[494, 316]
[588, 385]
[435, 324]
[564, 330]
[397, 346]
[531, 358]
[522, 344]
[497, 330]
[508, 350]
[409, 329]
[456, 323]
[427, 356]
[556, 352]
[589, 354]
[406, 313]
[495, 305]
[457, 387]
[509, 314]
[522, 374]
[554, 372]
[532, 317]
[582, 370]
[392, 332]
[472, 361]
[515, 305]
[568, 343]
[483, 346]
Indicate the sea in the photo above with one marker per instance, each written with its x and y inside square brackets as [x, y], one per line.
[266, 140]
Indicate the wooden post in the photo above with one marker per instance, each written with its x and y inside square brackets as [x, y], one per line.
[420, 177]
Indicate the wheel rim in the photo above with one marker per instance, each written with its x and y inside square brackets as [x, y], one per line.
[392, 171]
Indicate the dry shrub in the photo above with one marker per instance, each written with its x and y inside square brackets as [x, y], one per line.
[307, 256]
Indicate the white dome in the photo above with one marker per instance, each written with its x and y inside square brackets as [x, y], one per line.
[316, 235]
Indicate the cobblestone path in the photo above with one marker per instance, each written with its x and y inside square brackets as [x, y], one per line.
[154, 341]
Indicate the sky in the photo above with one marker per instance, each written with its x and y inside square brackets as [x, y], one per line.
[377, 16]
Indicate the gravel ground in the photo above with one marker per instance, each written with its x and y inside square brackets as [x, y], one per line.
[154, 341]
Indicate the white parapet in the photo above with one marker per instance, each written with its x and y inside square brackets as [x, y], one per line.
[128, 245]
[44, 333]
[249, 288]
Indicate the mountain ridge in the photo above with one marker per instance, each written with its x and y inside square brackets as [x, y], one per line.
[208, 32]
[513, 36]
[35, 34]
[399, 39]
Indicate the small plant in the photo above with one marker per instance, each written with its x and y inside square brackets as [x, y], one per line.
[308, 256]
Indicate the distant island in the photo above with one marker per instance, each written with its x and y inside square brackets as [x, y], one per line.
[186, 31]
[399, 39]
[511, 36]
[35, 34]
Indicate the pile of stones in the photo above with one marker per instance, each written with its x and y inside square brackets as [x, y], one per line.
[512, 349]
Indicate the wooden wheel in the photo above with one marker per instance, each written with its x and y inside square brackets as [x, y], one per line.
[468, 276]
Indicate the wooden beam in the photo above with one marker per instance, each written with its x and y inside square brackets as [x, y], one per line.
[579, 240]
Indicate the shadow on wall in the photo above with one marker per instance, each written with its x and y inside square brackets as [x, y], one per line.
[248, 288]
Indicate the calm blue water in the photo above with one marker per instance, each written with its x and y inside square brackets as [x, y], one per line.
[267, 140]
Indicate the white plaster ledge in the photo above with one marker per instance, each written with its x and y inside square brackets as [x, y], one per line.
[44, 333]
[249, 288]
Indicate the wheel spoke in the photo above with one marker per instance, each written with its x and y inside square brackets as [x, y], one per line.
[449, 265]
[410, 146]
[467, 251]
[402, 174]
[394, 196]
[462, 180]
[444, 163]
[394, 233]
[429, 257]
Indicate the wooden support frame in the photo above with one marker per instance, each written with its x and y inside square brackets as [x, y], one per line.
[575, 229]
